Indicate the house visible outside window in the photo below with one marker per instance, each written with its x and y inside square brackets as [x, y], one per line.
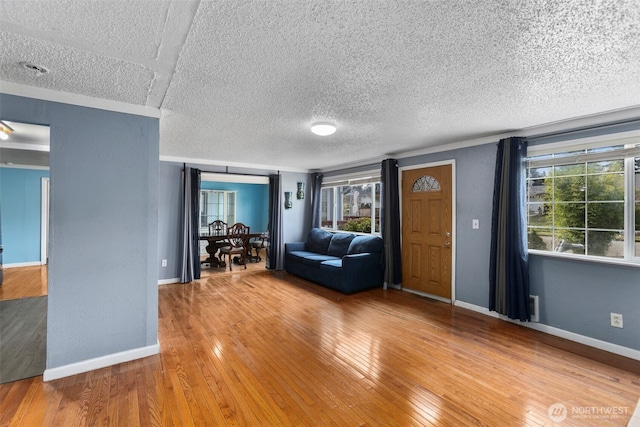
[584, 200]
[351, 204]
[216, 205]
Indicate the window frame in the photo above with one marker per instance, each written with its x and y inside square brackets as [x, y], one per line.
[628, 139]
[226, 214]
[333, 183]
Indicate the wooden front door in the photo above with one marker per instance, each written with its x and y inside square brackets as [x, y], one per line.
[426, 230]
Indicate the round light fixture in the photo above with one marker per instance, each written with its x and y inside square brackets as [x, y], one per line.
[4, 136]
[323, 128]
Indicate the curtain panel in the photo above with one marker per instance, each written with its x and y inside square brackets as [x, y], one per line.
[509, 264]
[316, 188]
[190, 269]
[275, 255]
[390, 222]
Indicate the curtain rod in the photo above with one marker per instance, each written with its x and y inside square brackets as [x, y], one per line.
[230, 173]
[533, 138]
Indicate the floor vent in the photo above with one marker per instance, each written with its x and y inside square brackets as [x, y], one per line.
[534, 307]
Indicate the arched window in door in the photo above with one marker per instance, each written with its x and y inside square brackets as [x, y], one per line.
[425, 183]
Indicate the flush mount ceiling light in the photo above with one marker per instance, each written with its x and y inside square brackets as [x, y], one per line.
[323, 128]
[5, 130]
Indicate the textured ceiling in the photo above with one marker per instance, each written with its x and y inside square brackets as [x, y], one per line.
[242, 81]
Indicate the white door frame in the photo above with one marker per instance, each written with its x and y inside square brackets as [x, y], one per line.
[44, 220]
[451, 162]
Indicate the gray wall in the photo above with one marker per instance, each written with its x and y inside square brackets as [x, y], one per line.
[575, 296]
[474, 195]
[104, 230]
[296, 220]
[170, 220]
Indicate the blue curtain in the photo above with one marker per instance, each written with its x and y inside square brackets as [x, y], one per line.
[316, 188]
[275, 256]
[190, 236]
[390, 222]
[509, 264]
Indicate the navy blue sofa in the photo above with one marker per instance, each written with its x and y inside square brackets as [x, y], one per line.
[342, 261]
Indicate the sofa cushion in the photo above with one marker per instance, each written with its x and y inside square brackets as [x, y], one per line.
[318, 241]
[364, 244]
[299, 256]
[340, 244]
[334, 266]
[316, 260]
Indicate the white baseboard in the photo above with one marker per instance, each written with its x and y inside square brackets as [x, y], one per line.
[23, 264]
[100, 362]
[571, 336]
[168, 281]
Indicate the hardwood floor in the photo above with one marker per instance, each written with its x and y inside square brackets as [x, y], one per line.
[24, 282]
[254, 348]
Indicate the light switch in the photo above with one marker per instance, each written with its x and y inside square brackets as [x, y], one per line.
[475, 224]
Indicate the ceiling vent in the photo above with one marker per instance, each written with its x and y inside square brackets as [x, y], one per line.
[38, 69]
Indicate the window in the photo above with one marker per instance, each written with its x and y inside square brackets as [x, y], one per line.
[577, 200]
[215, 204]
[351, 204]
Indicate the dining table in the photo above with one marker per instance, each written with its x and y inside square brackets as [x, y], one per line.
[216, 241]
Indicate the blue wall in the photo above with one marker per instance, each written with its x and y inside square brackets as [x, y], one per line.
[296, 220]
[252, 202]
[103, 294]
[20, 201]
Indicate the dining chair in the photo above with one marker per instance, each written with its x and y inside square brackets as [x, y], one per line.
[238, 243]
[217, 228]
[259, 243]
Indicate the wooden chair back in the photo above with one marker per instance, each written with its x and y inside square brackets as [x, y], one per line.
[238, 235]
[217, 228]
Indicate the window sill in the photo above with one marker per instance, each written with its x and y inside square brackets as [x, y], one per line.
[585, 258]
[357, 233]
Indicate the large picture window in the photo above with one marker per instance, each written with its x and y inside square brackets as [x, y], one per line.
[351, 205]
[585, 201]
[216, 205]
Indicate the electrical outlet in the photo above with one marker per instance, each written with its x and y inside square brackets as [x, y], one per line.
[164, 262]
[475, 224]
[616, 320]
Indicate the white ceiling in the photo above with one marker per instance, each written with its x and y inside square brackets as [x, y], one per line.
[242, 81]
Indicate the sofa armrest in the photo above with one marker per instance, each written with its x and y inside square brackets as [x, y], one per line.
[363, 268]
[295, 246]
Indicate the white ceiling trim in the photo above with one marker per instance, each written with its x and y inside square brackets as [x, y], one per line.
[76, 99]
[235, 178]
[22, 146]
[231, 164]
[17, 166]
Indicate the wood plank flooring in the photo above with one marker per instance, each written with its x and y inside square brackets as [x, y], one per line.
[254, 348]
[24, 282]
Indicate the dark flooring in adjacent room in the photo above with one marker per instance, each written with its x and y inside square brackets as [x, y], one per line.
[23, 338]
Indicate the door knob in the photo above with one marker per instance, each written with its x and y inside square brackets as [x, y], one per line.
[447, 234]
[447, 244]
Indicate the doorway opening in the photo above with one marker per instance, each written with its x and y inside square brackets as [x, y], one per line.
[24, 235]
[233, 199]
